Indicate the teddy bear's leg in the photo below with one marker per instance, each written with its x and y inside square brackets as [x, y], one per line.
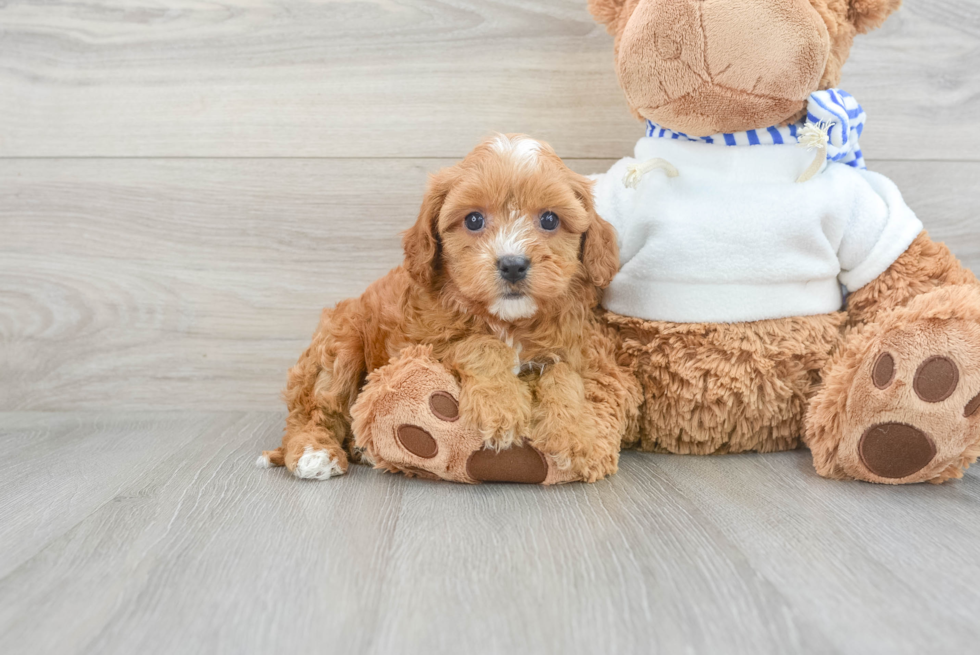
[407, 419]
[899, 401]
[713, 388]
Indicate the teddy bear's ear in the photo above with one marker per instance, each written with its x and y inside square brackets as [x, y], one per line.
[866, 15]
[607, 12]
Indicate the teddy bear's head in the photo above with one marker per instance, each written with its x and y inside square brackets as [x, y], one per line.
[706, 66]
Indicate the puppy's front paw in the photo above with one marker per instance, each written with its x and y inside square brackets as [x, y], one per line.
[563, 427]
[577, 448]
[501, 413]
[571, 447]
[316, 464]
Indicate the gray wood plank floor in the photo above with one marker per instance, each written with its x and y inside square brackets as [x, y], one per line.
[153, 533]
[184, 185]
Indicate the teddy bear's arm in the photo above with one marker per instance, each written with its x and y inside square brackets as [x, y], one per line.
[614, 203]
[923, 267]
[880, 227]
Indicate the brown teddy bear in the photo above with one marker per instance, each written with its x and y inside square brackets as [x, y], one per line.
[739, 246]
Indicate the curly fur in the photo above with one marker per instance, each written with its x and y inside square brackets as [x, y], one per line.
[867, 15]
[924, 266]
[712, 388]
[444, 297]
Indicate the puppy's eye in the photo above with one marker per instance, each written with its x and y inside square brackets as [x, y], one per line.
[549, 221]
[474, 222]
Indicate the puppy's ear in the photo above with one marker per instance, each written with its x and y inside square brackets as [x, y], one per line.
[866, 15]
[423, 248]
[599, 251]
[607, 13]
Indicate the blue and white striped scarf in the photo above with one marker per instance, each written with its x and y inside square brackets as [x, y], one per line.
[832, 108]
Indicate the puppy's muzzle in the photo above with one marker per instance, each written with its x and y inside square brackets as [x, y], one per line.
[513, 268]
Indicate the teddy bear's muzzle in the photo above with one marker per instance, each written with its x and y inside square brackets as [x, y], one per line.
[707, 66]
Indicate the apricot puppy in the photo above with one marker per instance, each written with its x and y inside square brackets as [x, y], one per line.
[480, 357]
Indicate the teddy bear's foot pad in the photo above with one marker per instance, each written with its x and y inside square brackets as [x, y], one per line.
[925, 405]
[902, 403]
[898, 450]
[895, 450]
[407, 419]
[417, 441]
[522, 463]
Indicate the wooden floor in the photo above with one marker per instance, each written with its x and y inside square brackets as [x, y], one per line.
[137, 532]
[183, 185]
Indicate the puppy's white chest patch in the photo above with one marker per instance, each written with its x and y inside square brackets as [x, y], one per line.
[508, 339]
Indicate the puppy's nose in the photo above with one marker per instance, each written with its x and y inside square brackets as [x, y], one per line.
[513, 268]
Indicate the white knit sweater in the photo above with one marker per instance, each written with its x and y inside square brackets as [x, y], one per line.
[735, 238]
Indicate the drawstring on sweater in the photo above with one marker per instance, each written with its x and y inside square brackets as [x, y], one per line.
[635, 172]
[814, 135]
[834, 123]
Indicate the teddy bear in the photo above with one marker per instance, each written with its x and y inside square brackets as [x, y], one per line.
[773, 291]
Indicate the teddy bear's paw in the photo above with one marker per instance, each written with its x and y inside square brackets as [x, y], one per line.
[407, 419]
[912, 413]
[926, 426]
[520, 463]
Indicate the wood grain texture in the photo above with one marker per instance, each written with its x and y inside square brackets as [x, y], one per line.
[196, 283]
[60, 468]
[183, 185]
[410, 78]
[197, 551]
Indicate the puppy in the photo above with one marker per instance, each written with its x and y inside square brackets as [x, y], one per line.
[498, 289]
